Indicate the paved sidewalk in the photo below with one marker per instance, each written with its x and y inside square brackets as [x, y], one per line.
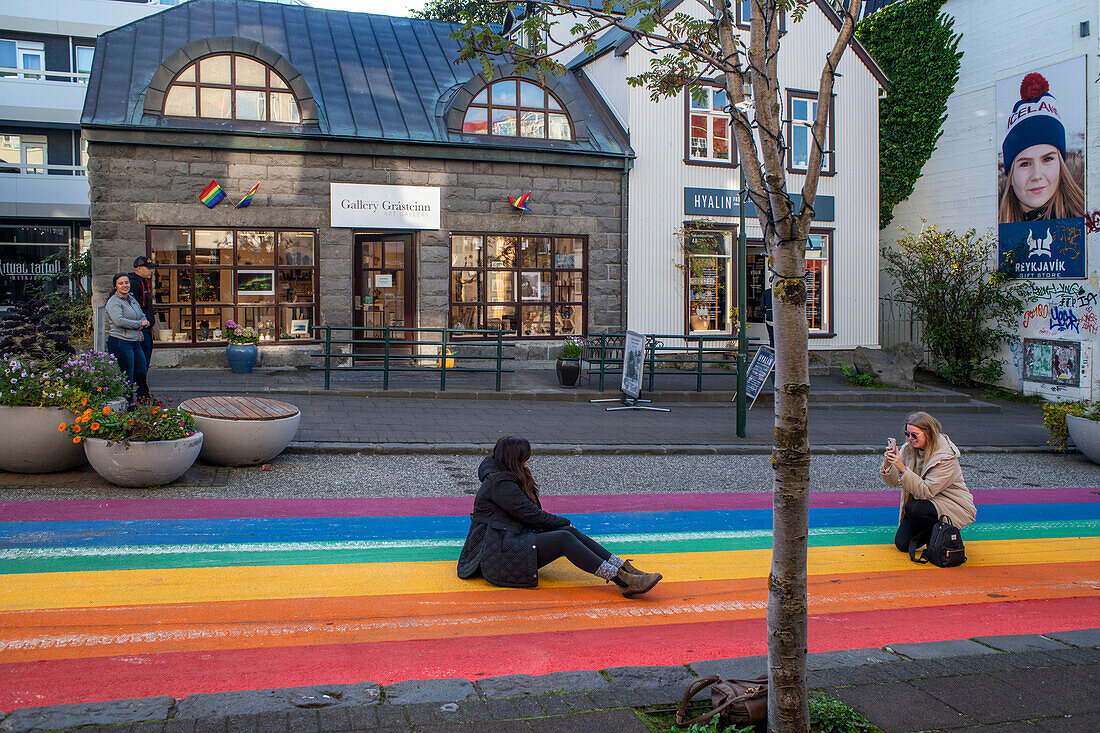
[358, 417]
[1048, 682]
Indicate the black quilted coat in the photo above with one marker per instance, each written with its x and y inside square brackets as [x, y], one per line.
[501, 543]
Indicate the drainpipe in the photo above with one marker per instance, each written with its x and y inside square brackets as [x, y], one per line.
[622, 243]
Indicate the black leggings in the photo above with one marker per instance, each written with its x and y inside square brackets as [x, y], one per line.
[570, 542]
[918, 518]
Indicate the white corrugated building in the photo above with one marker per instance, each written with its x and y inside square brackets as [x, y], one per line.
[686, 171]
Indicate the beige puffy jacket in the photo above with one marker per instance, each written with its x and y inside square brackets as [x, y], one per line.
[939, 480]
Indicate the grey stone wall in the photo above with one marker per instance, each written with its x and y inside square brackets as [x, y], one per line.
[136, 186]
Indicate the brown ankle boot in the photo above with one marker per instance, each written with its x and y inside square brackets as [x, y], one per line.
[631, 569]
[636, 584]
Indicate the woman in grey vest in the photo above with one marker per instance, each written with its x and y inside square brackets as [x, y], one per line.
[125, 320]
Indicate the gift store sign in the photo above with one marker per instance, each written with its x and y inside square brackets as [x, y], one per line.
[356, 205]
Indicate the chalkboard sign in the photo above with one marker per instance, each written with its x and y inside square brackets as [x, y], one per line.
[633, 363]
[762, 363]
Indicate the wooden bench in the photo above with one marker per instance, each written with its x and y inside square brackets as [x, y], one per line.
[242, 431]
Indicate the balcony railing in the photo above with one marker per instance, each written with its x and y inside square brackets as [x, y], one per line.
[38, 169]
[64, 77]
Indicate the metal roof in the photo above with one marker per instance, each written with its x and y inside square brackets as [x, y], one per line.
[372, 77]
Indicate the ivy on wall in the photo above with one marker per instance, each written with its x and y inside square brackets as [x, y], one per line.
[915, 44]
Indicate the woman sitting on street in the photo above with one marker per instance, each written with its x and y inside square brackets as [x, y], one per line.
[511, 537]
[927, 469]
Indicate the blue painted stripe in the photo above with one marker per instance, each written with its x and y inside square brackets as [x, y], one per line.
[343, 529]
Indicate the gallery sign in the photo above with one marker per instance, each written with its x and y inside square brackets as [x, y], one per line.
[726, 202]
[356, 205]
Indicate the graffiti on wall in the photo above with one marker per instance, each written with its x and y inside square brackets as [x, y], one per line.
[1058, 320]
[1052, 362]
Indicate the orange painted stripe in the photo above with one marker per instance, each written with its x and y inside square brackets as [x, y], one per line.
[27, 636]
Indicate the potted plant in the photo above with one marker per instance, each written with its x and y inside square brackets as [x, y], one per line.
[569, 361]
[242, 351]
[151, 445]
[34, 398]
[1076, 421]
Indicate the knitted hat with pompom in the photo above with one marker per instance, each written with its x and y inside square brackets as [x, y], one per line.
[1034, 121]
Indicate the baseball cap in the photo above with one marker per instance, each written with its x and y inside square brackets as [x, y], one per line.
[144, 261]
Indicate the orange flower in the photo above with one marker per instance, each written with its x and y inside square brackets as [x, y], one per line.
[106, 410]
[98, 389]
[87, 415]
[61, 427]
[83, 400]
[76, 439]
[129, 422]
[95, 426]
[76, 428]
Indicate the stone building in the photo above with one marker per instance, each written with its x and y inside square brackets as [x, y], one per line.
[384, 174]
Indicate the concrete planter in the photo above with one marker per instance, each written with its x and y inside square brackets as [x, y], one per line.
[31, 443]
[244, 442]
[1085, 434]
[136, 464]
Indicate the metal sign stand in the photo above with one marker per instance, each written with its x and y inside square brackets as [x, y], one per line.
[631, 386]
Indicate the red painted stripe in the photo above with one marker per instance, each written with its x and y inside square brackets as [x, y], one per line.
[124, 509]
[107, 678]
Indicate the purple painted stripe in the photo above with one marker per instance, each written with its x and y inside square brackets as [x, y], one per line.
[123, 509]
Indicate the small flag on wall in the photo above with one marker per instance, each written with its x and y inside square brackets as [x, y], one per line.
[211, 195]
[247, 197]
[521, 202]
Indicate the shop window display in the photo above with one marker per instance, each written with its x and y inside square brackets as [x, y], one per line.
[532, 285]
[708, 271]
[265, 279]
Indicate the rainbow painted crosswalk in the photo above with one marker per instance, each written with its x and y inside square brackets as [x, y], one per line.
[131, 598]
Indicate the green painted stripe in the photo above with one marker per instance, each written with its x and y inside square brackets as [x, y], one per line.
[79, 559]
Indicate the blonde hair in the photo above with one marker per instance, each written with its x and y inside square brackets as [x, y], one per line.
[929, 425]
[1067, 202]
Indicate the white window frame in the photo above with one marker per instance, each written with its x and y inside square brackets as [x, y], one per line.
[710, 110]
[24, 49]
[798, 152]
[32, 142]
[76, 63]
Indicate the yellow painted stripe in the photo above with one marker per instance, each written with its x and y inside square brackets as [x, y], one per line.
[35, 591]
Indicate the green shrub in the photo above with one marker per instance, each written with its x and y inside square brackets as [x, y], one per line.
[968, 307]
[851, 376]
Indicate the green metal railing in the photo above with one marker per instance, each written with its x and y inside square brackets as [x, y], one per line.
[604, 354]
[381, 349]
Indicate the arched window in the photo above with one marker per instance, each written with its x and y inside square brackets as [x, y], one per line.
[517, 108]
[229, 86]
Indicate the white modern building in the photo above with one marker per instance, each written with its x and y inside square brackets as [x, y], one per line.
[960, 185]
[686, 172]
[46, 50]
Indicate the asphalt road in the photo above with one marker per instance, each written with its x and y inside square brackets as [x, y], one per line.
[317, 476]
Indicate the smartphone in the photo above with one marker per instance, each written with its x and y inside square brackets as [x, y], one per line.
[891, 444]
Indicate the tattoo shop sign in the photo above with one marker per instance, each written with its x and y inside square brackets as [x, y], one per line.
[355, 205]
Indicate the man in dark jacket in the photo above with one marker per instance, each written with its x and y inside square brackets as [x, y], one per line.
[141, 287]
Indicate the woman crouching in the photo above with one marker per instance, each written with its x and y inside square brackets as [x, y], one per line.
[511, 537]
[927, 469]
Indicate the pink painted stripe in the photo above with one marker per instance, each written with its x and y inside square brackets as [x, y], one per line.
[134, 509]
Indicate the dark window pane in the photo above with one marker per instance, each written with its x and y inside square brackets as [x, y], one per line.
[466, 316]
[296, 322]
[210, 323]
[534, 252]
[213, 286]
[296, 286]
[536, 321]
[296, 248]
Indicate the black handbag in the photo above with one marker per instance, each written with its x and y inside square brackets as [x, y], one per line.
[945, 546]
[734, 701]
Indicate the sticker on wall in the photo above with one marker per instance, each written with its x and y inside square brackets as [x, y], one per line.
[212, 195]
[521, 202]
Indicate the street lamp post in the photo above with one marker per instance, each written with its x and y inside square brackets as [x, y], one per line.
[742, 284]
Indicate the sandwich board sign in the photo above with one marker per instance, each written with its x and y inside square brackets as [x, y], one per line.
[762, 364]
[633, 364]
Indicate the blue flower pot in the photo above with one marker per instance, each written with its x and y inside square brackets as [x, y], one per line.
[241, 357]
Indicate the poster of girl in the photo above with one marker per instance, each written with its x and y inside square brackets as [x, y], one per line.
[1042, 165]
[1041, 172]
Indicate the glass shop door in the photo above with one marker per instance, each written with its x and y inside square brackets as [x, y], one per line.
[385, 289]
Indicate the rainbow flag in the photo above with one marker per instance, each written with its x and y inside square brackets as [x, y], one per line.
[125, 598]
[211, 195]
[247, 197]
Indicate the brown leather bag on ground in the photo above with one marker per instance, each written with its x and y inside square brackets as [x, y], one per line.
[735, 702]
